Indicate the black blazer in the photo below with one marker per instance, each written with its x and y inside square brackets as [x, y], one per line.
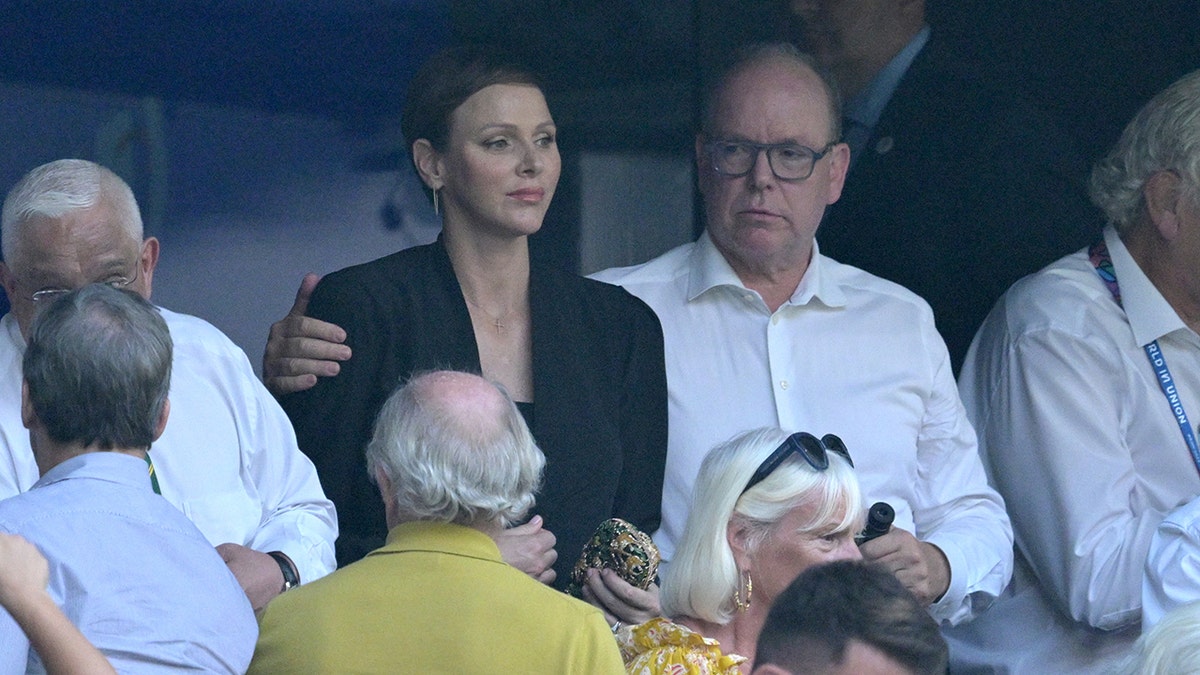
[600, 401]
[962, 189]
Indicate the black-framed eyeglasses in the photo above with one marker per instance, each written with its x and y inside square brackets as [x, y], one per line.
[48, 295]
[814, 450]
[788, 161]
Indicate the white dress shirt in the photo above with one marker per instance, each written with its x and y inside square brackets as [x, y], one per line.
[849, 354]
[1080, 440]
[1173, 565]
[228, 457]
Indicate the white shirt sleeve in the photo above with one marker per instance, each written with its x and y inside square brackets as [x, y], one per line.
[229, 458]
[1052, 434]
[1172, 565]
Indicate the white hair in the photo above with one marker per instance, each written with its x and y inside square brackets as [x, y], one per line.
[60, 187]
[1163, 136]
[703, 576]
[448, 463]
[1170, 648]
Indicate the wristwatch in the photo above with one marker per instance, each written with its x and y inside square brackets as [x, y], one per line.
[290, 578]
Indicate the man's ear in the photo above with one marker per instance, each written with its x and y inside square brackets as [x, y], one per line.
[161, 424]
[28, 417]
[390, 512]
[839, 166]
[1162, 194]
[384, 483]
[8, 281]
[147, 261]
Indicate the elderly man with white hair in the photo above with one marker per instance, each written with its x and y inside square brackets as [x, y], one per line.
[1080, 384]
[455, 465]
[228, 459]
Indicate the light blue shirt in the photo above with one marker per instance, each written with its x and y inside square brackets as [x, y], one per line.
[137, 578]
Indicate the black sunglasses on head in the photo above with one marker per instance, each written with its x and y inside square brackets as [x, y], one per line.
[814, 450]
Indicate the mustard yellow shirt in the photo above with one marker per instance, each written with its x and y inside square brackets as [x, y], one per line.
[436, 598]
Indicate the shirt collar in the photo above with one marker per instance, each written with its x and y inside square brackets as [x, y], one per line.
[424, 535]
[867, 107]
[114, 467]
[708, 269]
[1150, 315]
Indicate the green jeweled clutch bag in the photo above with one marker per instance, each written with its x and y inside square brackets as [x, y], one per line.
[621, 547]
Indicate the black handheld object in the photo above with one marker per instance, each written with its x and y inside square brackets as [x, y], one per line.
[879, 522]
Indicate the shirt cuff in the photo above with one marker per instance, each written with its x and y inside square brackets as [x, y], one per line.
[954, 606]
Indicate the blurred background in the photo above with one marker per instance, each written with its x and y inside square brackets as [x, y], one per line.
[261, 137]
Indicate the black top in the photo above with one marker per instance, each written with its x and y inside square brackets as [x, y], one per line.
[961, 190]
[598, 379]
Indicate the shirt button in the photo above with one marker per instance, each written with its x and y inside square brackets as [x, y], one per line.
[775, 320]
[783, 384]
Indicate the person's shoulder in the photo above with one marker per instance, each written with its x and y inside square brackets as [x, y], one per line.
[12, 345]
[613, 303]
[202, 352]
[860, 286]
[661, 269]
[1062, 294]
[188, 329]
[412, 262]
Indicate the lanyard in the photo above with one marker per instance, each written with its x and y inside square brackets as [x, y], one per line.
[1102, 261]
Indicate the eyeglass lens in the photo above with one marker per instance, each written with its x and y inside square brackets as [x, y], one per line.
[788, 161]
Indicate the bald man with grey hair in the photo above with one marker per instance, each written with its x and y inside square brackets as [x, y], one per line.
[228, 459]
[456, 465]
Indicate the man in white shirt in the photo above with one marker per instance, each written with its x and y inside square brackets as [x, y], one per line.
[228, 458]
[761, 330]
[1080, 382]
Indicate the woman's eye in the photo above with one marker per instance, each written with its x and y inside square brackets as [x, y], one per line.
[496, 144]
[544, 141]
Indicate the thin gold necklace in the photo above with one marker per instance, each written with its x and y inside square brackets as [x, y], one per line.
[497, 321]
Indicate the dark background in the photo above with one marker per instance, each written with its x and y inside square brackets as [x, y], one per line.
[621, 74]
[622, 71]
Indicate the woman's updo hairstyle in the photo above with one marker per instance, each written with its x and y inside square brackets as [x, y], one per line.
[446, 80]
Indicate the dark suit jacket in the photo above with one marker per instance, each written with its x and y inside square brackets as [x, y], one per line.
[962, 189]
[600, 401]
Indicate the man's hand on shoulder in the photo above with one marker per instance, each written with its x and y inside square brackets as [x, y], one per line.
[300, 349]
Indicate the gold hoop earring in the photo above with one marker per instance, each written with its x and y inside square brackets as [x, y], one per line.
[436, 212]
[743, 605]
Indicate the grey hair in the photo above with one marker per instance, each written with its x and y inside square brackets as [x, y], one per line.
[1163, 136]
[98, 368]
[753, 54]
[60, 187]
[703, 576]
[1169, 648]
[446, 464]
